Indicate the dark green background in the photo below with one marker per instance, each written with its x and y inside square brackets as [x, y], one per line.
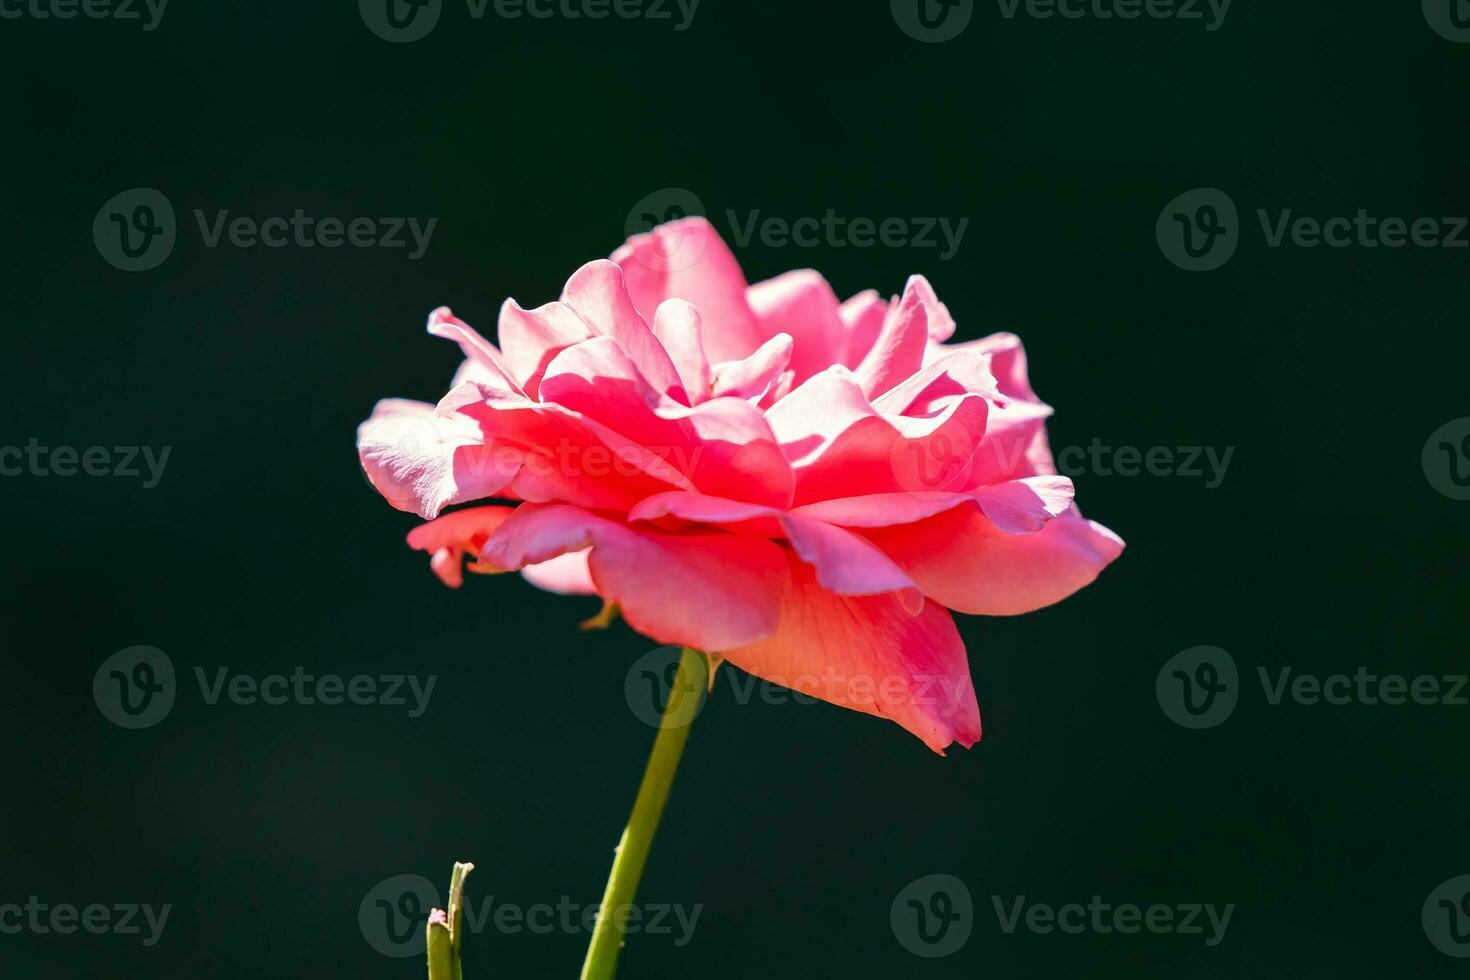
[795, 826]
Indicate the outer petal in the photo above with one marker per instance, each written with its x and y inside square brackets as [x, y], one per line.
[962, 560]
[687, 260]
[849, 564]
[1017, 507]
[845, 562]
[1025, 506]
[699, 508]
[870, 655]
[422, 459]
[882, 509]
[565, 574]
[704, 590]
[449, 538]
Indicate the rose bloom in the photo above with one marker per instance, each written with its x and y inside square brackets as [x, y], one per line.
[804, 487]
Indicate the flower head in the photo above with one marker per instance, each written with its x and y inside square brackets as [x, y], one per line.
[803, 486]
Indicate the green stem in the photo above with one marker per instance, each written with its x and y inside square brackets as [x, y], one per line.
[632, 852]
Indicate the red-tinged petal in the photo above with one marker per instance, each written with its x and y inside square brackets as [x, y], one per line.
[423, 459]
[1018, 507]
[599, 296]
[723, 445]
[962, 560]
[531, 338]
[869, 654]
[449, 538]
[883, 509]
[560, 455]
[688, 260]
[802, 305]
[699, 508]
[849, 565]
[705, 590]
[862, 316]
[755, 376]
[846, 563]
[677, 327]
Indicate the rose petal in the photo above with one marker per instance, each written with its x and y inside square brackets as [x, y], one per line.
[556, 454]
[422, 459]
[869, 654]
[443, 323]
[838, 442]
[449, 538]
[566, 574]
[677, 326]
[599, 296]
[755, 376]
[846, 563]
[1024, 506]
[801, 305]
[531, 338]
[962, 560]
[862, 317]
[723, 445]
[899, 350]
[688, 260]
[703, 590]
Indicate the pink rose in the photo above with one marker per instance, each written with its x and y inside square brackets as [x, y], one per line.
[803, 486]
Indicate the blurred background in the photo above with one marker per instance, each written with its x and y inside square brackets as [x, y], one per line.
[1331, 543]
